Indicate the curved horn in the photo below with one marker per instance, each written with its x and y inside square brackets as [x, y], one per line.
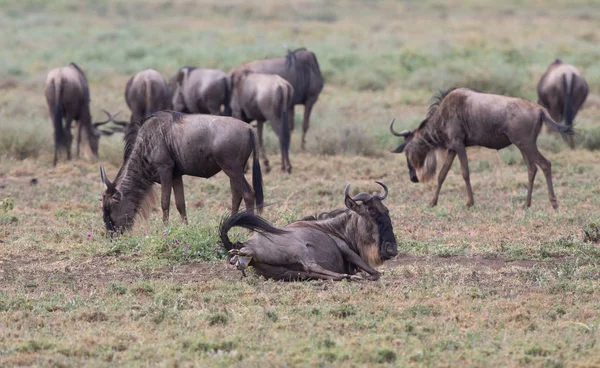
[110, 118]
[385, 191]
[105, 180]
[347, 190]
[122, 123]
[403, 133]
[98, 123]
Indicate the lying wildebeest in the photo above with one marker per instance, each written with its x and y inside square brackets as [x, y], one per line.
[562, 90]
[263, 97]
[361, 237]
[301, 69]
[460, 118]
[146, 93]
[68, 97]
[167, 145]
[201, 91]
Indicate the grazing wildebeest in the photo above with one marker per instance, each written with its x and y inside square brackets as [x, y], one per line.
[146, 93]
[68, 97]
[301, 69]
[201, 91]
[167, 145]
[460, 118]
[562, 90]
[361, 237]
[263, 97]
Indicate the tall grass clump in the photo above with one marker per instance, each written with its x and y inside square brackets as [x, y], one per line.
[590, 139]
[21, 142]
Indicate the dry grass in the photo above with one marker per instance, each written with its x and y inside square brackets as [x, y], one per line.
[493, 285]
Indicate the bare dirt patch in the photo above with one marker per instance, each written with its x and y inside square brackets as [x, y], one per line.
[39, 269]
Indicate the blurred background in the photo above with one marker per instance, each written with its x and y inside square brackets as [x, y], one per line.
[381, 59]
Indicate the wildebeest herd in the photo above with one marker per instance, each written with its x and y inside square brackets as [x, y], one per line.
[197, 124]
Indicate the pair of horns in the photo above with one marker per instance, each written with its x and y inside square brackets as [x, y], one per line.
[364, 197]
[403, 133]
[110, 118]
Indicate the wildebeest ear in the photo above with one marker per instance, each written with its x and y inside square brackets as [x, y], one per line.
[400, 148]
[352, 205]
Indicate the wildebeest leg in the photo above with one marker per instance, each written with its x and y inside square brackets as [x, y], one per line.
[306, 122]
[442, 176]
[79, 129]
[166, 182]
[355, 259]
[464, 167]
[531, 171]
[240, 188]
[259, 128]
[236, 194]
[291, 117]
[68, 136]
[546, 166]
[316, 271]
[179, 198]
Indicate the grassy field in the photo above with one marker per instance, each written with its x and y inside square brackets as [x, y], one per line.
[493, 285]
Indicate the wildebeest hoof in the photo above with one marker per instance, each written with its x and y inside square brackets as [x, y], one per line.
[357, 277]
[470, 204]
[241, 258]
[555, 206]
[432, 204]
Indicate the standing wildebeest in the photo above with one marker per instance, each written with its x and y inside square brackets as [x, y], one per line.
[460, 118]
[201, 91]
[263, 97]
[167, 145]
[301, 68]
[68, 97]
[146, 93]
[562, 90]
[360, 237]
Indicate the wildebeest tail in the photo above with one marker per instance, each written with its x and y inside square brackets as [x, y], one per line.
[227, 98]
[284, 129]
[568, 111]
[59, 132]
[246, 220]
[565, 131]
[257, 182]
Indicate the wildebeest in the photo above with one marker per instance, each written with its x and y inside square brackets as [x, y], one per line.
[263, 97]
[68, 97]
[146, 93]
[362, 237]
[460, 118]
[562, 90]
[299, 67]
[167, 145]
[201, 91]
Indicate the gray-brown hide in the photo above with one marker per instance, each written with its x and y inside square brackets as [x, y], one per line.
[361, 237]
[264, 97]
[301, 69]
[146, 93]
[68, 97]
[460, 118]
[167, 145]
[562, 90]
[201, 91]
